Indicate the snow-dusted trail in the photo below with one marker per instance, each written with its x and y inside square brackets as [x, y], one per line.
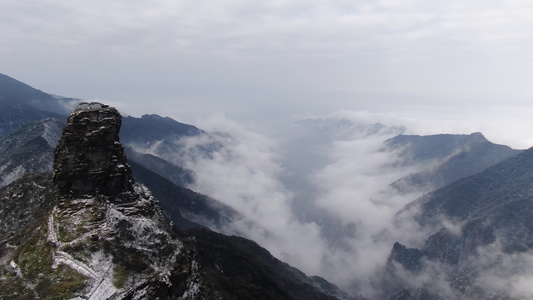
[65, 258]
[103, 287]
[52, 234]
[103, 290]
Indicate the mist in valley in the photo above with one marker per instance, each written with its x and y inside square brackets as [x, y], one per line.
[317, 195]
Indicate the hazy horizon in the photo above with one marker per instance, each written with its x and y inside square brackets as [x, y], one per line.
[449, 67]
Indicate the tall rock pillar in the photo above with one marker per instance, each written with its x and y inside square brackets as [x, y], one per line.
[89, 159]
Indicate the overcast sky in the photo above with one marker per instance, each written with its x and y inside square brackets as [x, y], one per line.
[470, 61]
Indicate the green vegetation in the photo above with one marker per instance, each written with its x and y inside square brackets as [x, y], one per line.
[80, 250]
[12, 287]
[61, 284]
[34, 256]
[120, 275]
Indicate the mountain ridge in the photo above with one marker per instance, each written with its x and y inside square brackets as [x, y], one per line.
[450, 157]
[17, 92]
[489, 212]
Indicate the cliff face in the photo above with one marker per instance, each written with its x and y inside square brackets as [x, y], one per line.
[89, 159]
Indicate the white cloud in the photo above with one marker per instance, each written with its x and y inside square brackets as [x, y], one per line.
[350, 183]
[508, 274]
[240, 29]
[242, 172]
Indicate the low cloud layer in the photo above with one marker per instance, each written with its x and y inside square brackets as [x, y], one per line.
[241, 169]
[491, 274]
[509, 275]
[317, 196]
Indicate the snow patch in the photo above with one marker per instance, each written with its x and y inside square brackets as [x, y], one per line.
[52, 234]
[193, 287]
[49, 135]
[16, 268]
[103, 290]
[12, 176]
[146, 232]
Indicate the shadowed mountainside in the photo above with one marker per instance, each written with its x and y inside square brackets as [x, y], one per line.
[29, 149]
[488, 213]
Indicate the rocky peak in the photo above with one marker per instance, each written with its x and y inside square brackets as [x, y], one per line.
[89, 159]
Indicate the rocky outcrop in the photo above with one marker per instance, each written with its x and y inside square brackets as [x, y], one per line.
[408, 258]
[105, 227]
[89, 159]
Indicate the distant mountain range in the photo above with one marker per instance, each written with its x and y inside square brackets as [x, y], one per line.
[449, 157]
[20, 104]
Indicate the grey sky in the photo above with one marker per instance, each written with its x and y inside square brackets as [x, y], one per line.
[469, 60]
